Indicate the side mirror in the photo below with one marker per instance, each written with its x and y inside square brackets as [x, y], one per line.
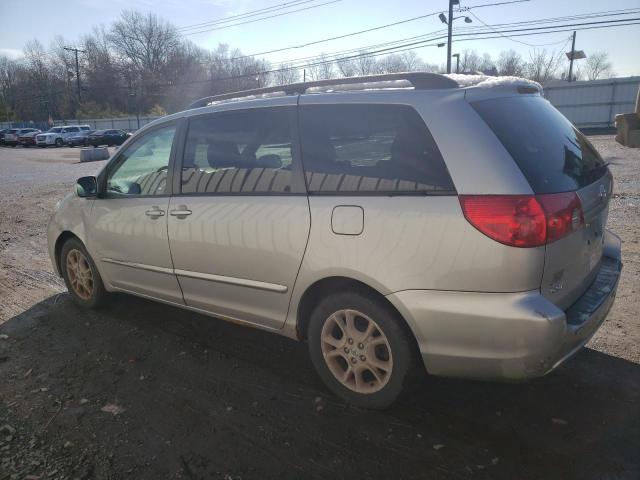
[87, 187]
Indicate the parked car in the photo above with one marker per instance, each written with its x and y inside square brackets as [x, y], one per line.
[57, 136]
[422, 222]
[12, 136]
[79, 139]
[108, 137]
[28, 139]
[2, 133]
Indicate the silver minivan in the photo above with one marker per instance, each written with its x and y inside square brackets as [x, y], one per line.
[398, 224]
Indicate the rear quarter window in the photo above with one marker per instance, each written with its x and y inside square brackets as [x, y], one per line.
[370, 149]
[551, 153]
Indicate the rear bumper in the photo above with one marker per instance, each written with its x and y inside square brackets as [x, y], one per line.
[506, 336]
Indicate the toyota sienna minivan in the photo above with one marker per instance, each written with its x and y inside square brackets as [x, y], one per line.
[398, 224]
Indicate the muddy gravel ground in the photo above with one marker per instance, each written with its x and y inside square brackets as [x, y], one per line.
[142, 390]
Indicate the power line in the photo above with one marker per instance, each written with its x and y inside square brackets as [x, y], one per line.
[429, 34]
[410, 46]
[307, 44]
[510, 38]
[261, 18]
[251, 13]
[342, 36]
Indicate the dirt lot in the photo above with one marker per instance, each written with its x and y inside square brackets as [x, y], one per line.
[142, 390]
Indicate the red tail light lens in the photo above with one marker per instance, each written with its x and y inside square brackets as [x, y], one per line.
[524, 220]
[564, 214]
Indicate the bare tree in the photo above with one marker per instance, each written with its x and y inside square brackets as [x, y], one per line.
[286, 74]
[346, 66]
[366, 64]
[542, 65]
[487, 65]
[393, 63]
[145, 41]
[411, 61]
[597, 66]
[510, 63]
[470, 61]
[323, 68]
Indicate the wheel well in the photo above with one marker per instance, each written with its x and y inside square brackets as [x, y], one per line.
[64, 236]
[319, 290]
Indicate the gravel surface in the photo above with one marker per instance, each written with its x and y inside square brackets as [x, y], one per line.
[142, 390]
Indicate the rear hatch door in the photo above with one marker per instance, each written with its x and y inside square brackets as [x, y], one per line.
[555, 158]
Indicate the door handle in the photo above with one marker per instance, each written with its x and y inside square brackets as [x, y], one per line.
[154, 212]
[180, 212]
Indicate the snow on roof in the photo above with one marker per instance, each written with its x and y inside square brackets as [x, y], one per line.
[486, 81]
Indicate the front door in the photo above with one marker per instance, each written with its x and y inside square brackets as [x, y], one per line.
[239, 224]
[129, 225]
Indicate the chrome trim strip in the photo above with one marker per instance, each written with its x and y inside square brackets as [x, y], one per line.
[242, 282]
[272, 287]
[141, 266]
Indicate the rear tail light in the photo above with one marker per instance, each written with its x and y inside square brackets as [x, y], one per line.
[524, 220]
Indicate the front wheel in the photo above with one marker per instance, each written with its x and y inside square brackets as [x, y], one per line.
[362, 349]
[81, 275]
[59, 142]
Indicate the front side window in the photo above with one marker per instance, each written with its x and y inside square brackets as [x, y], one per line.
[246, 151]
[55, 130]
[141, 169]
[360, 149]
[73, 129]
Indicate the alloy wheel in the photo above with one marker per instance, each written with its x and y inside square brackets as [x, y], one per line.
[79, 274]
[356, 351]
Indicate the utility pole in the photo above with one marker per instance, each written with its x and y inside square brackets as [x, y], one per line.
[573, 53]
[76, 50]
[449, 32]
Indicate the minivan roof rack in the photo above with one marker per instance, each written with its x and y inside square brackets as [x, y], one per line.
[419, 80]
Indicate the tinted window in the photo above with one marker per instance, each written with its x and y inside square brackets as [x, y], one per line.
[553, 155]
[238, 152]
[85, 128]
[370, 148]
[72, 129]
[142, 167]
[55, 130]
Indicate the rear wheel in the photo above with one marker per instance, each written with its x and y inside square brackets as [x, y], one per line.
[81, 275]
[362, 350]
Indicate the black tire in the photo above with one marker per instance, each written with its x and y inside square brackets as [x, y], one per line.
[98, 294]
[59, 142]
[407, 370]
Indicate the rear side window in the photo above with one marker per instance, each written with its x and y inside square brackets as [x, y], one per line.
[552, 154]
[246, 151]
[363, 149]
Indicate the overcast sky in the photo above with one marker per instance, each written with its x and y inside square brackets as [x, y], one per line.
[44, 19]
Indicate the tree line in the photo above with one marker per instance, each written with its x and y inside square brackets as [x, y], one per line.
[141, 64]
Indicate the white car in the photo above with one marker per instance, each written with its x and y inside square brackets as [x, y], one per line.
[11, 137]
[57, 136]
